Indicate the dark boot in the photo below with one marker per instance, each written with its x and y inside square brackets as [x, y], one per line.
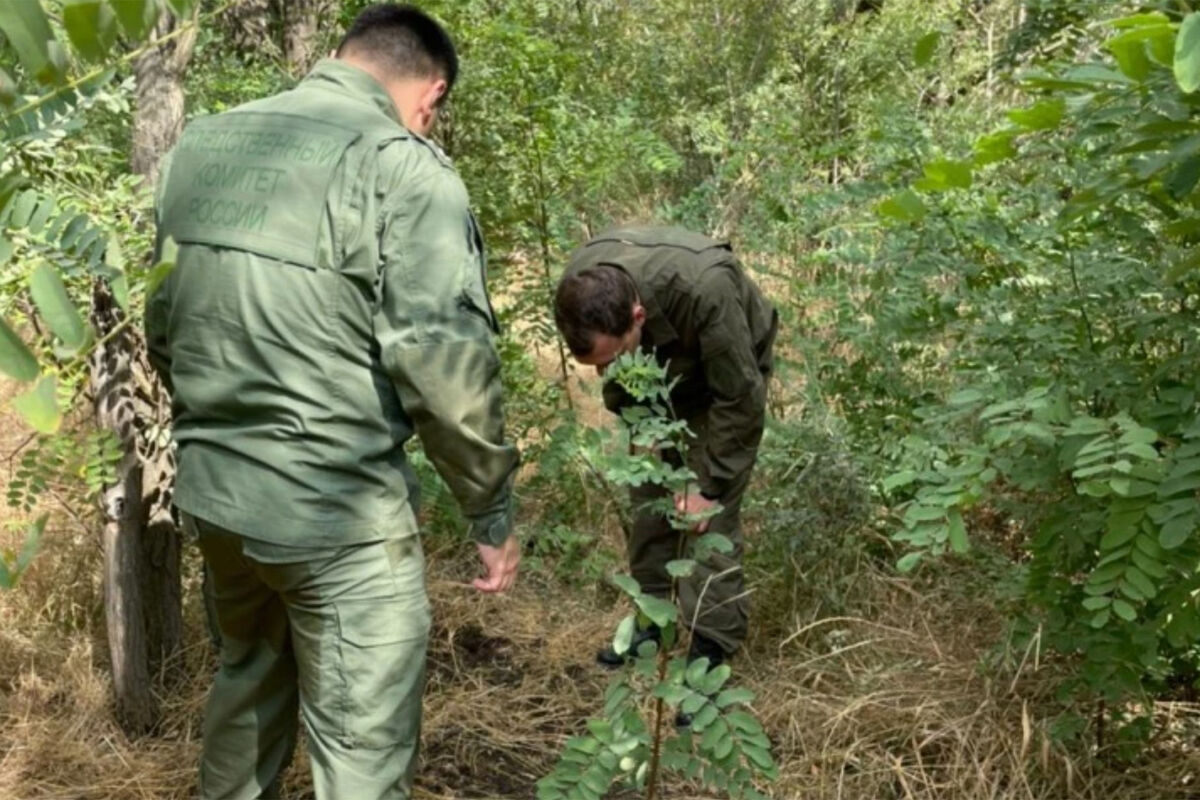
[704, 647]
[609, 659]
[701, 647]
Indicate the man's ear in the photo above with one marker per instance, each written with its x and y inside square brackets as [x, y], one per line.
[426, 110]
[433, 95]
[639, 314]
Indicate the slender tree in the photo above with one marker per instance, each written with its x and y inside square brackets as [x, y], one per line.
[301, 23]
[159, 117]
[141, 540]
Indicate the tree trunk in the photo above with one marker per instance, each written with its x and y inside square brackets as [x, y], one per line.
[142, 548]
[248, 25]
[301, 21]
[162, 545]
[142, 591]
[159, 118]
[125, 571]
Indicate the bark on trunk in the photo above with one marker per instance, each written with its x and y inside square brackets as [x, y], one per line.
[301, 21]
[247, 25]
[142, 589]
[159, 118]
[142, 546]
[125, 573]
[162, 543]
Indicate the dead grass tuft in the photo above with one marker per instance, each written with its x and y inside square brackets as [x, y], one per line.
[885, 703]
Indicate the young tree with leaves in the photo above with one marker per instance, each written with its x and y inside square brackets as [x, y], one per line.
[722, 745]
[1073, 396]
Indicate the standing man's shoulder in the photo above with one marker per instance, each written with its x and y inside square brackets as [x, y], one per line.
[431, 153]
[411, 164]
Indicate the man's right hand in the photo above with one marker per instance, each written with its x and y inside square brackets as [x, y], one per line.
[501, 565]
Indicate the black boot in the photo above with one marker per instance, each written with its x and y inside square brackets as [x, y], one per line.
[610, 659]
[704, 647]
[701, 647]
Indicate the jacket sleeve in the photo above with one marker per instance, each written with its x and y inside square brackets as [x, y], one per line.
[158, 306]
[434, 329]
[735, 419]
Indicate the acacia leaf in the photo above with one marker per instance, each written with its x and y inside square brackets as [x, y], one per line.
[1187, 53]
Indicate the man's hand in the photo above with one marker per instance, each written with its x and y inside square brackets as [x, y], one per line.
[501, 564]
[695, 503]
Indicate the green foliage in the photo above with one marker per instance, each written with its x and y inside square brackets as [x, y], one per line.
[91, 27]
[221, 75]
[926, 47]
[49, 295]
[28, 31]
[811, 510]
[63, 340]
[14, 564]
[573, 557]
[39, 406]
[52, 465]
[15, 359]
[994, 293]
[725, 748]
[1187, 54]
[1042, 323]
[137, 17]
[54, 234]
[52, 243]
[988, 300]
[32, 476]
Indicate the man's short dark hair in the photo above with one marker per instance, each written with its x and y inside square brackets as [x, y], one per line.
[404, 40]
[591, 302]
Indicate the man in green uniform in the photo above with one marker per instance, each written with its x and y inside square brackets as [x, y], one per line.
[684, 298]
[327, 302]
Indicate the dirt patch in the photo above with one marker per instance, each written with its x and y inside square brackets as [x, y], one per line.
[458, 762]
[464, 653]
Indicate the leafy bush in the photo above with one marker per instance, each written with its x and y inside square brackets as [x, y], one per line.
[1057, 302]
[809, 511]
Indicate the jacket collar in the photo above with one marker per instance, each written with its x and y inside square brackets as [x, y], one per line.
[331, 73]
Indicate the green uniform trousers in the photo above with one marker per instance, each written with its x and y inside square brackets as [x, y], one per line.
[714, 596]
[339, 637]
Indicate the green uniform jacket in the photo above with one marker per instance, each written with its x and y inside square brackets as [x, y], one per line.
[712, 327]
[328, 300]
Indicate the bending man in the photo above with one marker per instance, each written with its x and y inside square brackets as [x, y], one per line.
[684, 298]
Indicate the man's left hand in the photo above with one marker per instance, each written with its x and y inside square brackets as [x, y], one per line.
[695, 503]
[500, 564]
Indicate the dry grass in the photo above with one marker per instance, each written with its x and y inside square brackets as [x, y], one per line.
[887, 703]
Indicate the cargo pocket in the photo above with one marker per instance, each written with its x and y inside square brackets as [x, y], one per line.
[381, 670]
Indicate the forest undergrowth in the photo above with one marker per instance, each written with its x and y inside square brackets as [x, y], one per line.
[871, 685]
[974, 530]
